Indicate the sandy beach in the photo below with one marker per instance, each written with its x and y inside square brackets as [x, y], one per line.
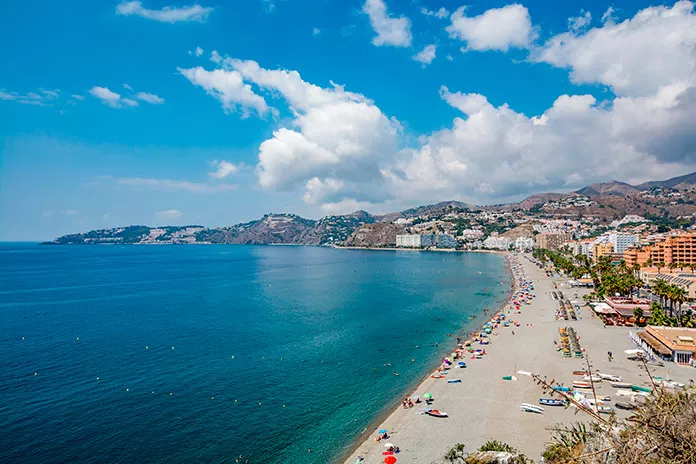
[485, 407]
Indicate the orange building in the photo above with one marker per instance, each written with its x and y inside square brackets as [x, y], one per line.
[676, 249]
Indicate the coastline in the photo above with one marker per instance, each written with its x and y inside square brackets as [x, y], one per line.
[485, 404]
[366, 435]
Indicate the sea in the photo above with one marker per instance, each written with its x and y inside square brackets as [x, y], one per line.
[209, 353]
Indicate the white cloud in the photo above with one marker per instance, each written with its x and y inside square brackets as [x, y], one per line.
[149, 98]
[127, 87]
[608, 16]
[169, 214]
[169, 184]
[579, 23]
[449, 57]
[69, 212]
[215, 57]
[78, 97]
[441, 13]
[110, 98]
[168, 14]
[229, 88]
[390, 30]
[47, 214]
[41, 97]
[656, 47]
[495, 29]
[316, 31]
[199, 51]
[426, 56]
[223, 169]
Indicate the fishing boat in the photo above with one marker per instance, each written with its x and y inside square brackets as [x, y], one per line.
[627, 406]
[435, 413]
[526, 407]
[437, 376]
[605, 410]
[621, 385]
[454, 381]
[561, 388]
[593, 378]
[613, 378]
[581, 384]
[638, 388]
[581, 373]
[551, 402]
[461, 364]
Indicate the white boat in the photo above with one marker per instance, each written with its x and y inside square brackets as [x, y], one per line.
[593, 378]
[531, 408]
[613, 378]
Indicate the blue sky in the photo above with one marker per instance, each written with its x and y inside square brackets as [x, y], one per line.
[164, 112]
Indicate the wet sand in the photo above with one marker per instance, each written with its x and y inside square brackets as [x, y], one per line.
[485, 407]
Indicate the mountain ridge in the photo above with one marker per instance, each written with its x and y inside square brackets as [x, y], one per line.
[606, 201]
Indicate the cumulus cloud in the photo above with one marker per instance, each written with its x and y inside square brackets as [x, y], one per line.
[426, 56]
[199, 51]
[229, 88]
[395, 31]
[78, 97]
[316, 31]
[656, 47]
[110, 98]
[223, 169]
[169, 214]
[579, 23]
[441, 13]
[339, 150]
[168, 14]
[169, 184]
[495, 29]
[149, 98]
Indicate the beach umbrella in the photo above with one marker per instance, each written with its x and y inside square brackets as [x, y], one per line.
[390, 460]
[427, 395]
[383, 431]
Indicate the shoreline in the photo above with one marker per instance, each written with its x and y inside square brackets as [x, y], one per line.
[364, 436]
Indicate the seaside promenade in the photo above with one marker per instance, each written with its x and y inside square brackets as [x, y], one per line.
[485, 407]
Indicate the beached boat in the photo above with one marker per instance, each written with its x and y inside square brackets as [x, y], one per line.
[454, 381]
[561, 388]
[526, 407]
[605, 410]
[621, 385]
[551, 402]
[437, 376]
[627, 406]
[581, 373]
[638, 388]
[435, 413]
[581, 384]
[461, 364]
[612, 378]
[593, 378]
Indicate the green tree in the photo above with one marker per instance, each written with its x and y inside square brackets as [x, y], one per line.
[638, 317]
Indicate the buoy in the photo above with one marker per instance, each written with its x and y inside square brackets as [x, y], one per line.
[170, 393]
[78, 339]
[36, 373]
[153, 392]
[283, 405]
[127, 389]
[97, 378]
[147, 347]
[259, 403]
[212, 397]
[22, 338]
[235, 401]
[172, 347]
[232, 357]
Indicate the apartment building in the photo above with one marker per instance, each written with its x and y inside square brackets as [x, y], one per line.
[676, 249]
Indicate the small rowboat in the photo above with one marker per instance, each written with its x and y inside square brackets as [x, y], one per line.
[454, 381]
[593, 378]
[638, 388]
[627, 406]
[581, 373]
[621, 385]
[581, 384]
[613, 378]
[551, 402]
[435, 413]
[605, 410]
[561, 388]
[437, 376]
[531, 408]
[461, 364]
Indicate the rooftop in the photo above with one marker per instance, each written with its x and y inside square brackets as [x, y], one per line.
[675, 338]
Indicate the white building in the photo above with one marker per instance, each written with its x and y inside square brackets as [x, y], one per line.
[497, 243]
[415, 240]
[622, 241]
[525, 244]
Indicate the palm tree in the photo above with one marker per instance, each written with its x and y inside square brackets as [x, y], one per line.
[636, 269]
[660, 265]
[648, 262]
[682, 265]
[672, 266]
[692, 267]
[679, 296]
[659, 288]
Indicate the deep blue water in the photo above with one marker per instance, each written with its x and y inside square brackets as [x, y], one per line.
[181, 354]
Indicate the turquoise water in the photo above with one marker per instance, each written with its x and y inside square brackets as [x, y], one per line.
[180, 354]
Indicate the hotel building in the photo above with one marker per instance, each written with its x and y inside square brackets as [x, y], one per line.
[675, 249]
